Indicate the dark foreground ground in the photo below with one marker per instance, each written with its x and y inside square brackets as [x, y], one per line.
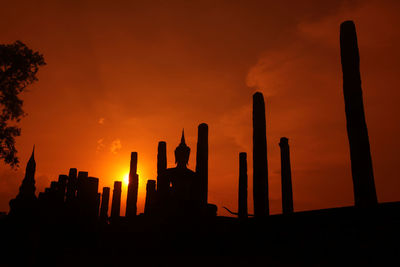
[332, 237]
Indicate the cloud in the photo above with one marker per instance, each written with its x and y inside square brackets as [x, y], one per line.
[115, 146]
[100, 145]
[101, 120]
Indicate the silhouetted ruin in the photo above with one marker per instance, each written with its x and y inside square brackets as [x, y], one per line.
[61, 187]
[202, 161]
[242, 185]
[150, 197]
[116, 200]
[161, 158]
[286, 177]
[81, 185]
[25, 204]
[105, 198]
[162, 183]
[131, 200]
[179, 187]
[360, 154]
[97, 206]
[87, 199]
[260, 163]
[72, 184]
[62, 226]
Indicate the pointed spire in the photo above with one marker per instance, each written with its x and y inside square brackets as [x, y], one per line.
[25, 202]
[183, 136]
[182, 152]
[31, 165]
[33, 154]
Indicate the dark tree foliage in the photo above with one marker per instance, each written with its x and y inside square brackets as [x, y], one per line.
[18, 68]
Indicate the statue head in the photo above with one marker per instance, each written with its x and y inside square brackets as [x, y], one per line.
[182, 153]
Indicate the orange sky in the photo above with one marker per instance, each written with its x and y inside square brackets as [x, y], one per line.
[123, 75]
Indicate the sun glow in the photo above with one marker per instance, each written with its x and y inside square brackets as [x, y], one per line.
[126, 179]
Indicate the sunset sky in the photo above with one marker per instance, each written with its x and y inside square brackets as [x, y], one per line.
[123, 75]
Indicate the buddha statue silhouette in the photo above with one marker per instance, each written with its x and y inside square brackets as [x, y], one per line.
[184, 195]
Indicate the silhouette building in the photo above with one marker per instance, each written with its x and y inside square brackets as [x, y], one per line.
[150, 196]
[181, 191]
[260, 163]
[87, 198]
[242, 213]
[202, 161]
[286, 177]
[178, 193]
[105, 197]
[72, 185]
[184, 190]
[61, 187]
[163, 186]
[25, 203]
[360, 154]
[116, 200]
[131, 200]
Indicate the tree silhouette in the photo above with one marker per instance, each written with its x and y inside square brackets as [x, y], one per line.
[18, 68]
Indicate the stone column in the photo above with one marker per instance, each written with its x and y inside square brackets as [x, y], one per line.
[55, 202]
[54, 186]
[62, 184]
[286, 177]
[131, 200]
[360, 154]
[93, 198]
[161, 157]
[98, 204]
[242, 185]
[150, 196]
[162, 183]
[202, 162]
[260, 163]
[71, 184]
[81, 185]
[105, 198]
[116, 200]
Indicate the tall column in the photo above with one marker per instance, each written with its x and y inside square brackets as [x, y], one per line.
[62, 184]
[161, 157]
[81, 185]
[98, 204]
[242, 185]
[202, 161]
[54, 193]
[260, 163]
[105, 198]
[71, 184]
[150, 196]
[360, 154]
[116, 200]
[286, 177]
[162, 183]
[92, 198]
[55, 203]
[131, 200]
